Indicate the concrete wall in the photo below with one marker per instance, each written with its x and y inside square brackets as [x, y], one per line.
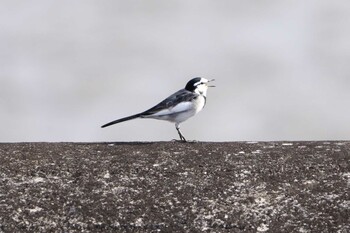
[175, 187]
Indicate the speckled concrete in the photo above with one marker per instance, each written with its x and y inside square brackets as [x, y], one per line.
[175, 187]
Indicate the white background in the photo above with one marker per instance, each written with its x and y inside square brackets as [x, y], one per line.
[282, 68]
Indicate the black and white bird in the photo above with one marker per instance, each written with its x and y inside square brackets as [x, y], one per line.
[178, 107]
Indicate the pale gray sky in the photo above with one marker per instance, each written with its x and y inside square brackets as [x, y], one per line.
[281, 68]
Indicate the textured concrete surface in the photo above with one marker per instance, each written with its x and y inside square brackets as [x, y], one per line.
[175, 187]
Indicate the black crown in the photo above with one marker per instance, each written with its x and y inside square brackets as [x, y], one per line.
[190, 85]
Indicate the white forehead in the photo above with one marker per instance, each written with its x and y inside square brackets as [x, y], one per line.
[202, 80]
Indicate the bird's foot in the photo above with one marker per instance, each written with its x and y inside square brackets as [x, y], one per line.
[176, 140]
[185, 141]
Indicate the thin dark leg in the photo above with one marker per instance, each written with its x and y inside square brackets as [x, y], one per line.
[182, 138]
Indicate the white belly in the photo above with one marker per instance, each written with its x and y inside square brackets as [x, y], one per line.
[181, 112]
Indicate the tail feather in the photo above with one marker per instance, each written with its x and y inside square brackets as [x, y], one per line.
[121, 120]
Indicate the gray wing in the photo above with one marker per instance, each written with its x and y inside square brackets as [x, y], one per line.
[173, 100]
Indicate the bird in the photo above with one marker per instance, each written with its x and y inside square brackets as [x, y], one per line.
[178, 107]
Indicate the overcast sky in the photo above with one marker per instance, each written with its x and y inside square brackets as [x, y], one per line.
[281, 67]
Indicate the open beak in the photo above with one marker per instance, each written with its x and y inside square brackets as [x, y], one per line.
[211, 81]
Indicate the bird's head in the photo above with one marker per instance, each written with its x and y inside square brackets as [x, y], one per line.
[199, 85]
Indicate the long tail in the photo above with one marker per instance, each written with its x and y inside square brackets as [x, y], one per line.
[122, 119]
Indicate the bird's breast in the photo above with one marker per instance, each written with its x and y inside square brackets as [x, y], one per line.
[199, 103]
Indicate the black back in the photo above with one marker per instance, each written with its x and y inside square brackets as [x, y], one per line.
[190, 85]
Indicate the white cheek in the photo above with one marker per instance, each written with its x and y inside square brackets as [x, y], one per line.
[202, 90]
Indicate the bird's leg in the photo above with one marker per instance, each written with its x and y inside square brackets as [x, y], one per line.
[182, 138]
